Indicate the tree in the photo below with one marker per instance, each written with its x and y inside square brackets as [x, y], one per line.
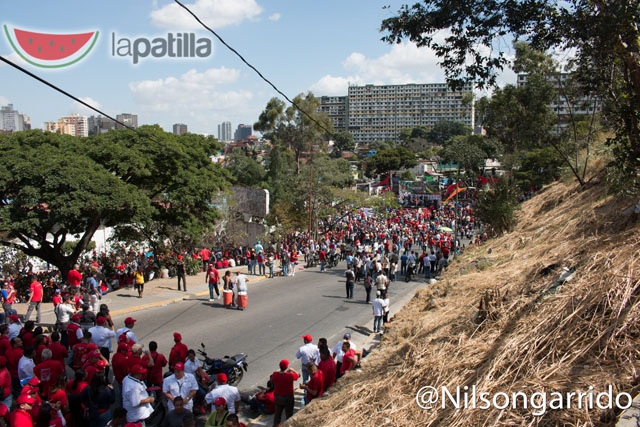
[407, 175]
[497, 207]
[465, 153]
[390, 160]
[55, 185]
[344, 141]
[444, 130]
[244, 170]
[603, 34]
[539, 167]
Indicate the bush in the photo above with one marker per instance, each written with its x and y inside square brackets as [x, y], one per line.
[497, 207]
[192, 265]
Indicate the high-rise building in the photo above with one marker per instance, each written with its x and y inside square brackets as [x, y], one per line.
[179, 128]
[130, 120]
[50, 126]
[242, 132]
[224, 132]
[378, 113]
[10, 119]
[75, 125]
[26, 121]
[100, 124]
[337, 108]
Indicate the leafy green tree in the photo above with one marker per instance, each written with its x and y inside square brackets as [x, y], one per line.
[382, 145]
[463, 151]
[407, 175]
[497, 207]
[390, 160]
[603, 34]
[539, 167]
[54, 185]
[244, 170]
[344, 141]
[444, 130]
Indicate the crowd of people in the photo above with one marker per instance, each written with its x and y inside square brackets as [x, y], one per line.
[89, 370]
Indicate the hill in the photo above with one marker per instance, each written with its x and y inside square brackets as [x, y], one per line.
[502, 321]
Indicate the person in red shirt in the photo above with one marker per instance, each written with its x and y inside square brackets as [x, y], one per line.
[120, 363]
[322, 257]
[21, 416]
[72, 330]
[5, 382]
[350, 359]
[74, 277]
[95, 363]
[35, 299]
[138, 357]
[13, 357]
[178, 352]
[315, 386]
[264, 401]
[213, 277]
[225, 263]
[58, 351]
[5, 345]
[205, 254]
[283, 391]
[48, 372]
[159, 362]
[328, 367]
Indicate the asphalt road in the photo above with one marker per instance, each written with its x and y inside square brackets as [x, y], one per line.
[279, 312]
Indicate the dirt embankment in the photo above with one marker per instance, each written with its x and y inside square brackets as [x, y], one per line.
[502, 323]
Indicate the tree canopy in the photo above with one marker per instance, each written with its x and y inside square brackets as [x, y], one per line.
[390, 160]
[55, 185]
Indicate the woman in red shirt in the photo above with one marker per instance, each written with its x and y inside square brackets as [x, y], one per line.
[5, 383]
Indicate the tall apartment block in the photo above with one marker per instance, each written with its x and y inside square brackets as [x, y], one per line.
[242, 132]
[378, 113]
[337, 108]
[224, 132]
[179, 129]
[130, 120]
[74, 124]
[12, 121]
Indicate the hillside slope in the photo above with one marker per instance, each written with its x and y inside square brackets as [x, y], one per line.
[534, 337]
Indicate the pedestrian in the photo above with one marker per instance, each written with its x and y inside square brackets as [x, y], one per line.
[95, 293]
[240, 286]
[5, 383]
[328, 367]
[21, 415]
[378, 312]
[222, 389]
[181, 273]
[139, 280]
[180, 384]
[283, 391]
[315, 387]
[175, 417]
[129, 323]
[350, 359]
[97, 400]
[218, 416]
[8, 298]
[102, 336]
[135, 398]
[350, 282]
[322, 257]
[385, 316]
[179, 351]
[338, 353]
[260, 259]
[367, 286]
[307, 353]
[213, 277]
[35, 299]
[64, 312]
[270, 262]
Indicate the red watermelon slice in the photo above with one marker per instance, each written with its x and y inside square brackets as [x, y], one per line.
[50, 50]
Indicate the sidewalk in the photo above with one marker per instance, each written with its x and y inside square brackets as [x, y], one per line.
[157, 293]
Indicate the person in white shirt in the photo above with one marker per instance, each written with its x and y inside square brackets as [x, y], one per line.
[308, 353]
[100, 335]
[26, 364]
[180, 384]
[64, 311]
[135, 398]
[14, 326]
[378, 312]
[337, 352]
[192, 363]
[230, 393]
[129, 323]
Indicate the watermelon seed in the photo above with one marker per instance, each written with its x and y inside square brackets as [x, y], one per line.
[73, 40]
[61, 48]
[51, 43]
[39, 48]
[30, 41]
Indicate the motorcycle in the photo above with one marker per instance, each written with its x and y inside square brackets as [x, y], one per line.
[410, 272]
[312, 260]
[231, 366]
[332, 260]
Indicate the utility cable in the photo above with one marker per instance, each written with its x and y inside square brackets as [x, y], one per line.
[254, 68]
[62, 91]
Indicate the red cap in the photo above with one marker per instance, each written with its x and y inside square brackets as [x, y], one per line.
[133, 425]
[307, 338]
[221, 378]
[179, 256]
[76, 317]
[137, 369]
[178, 366]
[123, 346]
[14, 317]
[92, 346]
[25, 398]
[101, 364]
[100, 320]
[220, 401]
[177, 336]
[34, 381]
[129, 320]
[94, 354]
[284, 364]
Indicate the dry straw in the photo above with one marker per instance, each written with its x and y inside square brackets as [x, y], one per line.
[583, 333]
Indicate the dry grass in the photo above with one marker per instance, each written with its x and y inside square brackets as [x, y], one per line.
[585, 333]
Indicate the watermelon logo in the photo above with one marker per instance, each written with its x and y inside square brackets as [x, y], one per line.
[50, 50]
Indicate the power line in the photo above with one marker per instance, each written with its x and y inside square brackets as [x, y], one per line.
[254, 68]
[62, 91]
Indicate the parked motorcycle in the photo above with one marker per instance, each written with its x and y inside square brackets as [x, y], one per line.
[411, 269]
[332, 260]
[234, 367]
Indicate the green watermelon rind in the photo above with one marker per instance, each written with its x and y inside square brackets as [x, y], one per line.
[16, 50]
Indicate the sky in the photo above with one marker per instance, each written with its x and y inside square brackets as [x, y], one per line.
[300, 45]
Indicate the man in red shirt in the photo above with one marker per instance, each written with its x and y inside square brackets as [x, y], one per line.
[315, 386]
[350, 359]
[74, 277]
[21, 416]
[13, 357]
[5, 345]
[159, 362]
[58, 351]
[283, 391]
[48, 371]
[35, 299]
[213, 277]
[205, 254]
[322, 257]
[328, 368]
[178, 352]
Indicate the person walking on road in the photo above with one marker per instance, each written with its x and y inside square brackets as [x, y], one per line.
[181, 274]
[378, 312]
[213, 277]
[139, 278]
[351, 278]
[35, 299]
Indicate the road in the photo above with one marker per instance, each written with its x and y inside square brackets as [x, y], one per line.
[279, 312]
